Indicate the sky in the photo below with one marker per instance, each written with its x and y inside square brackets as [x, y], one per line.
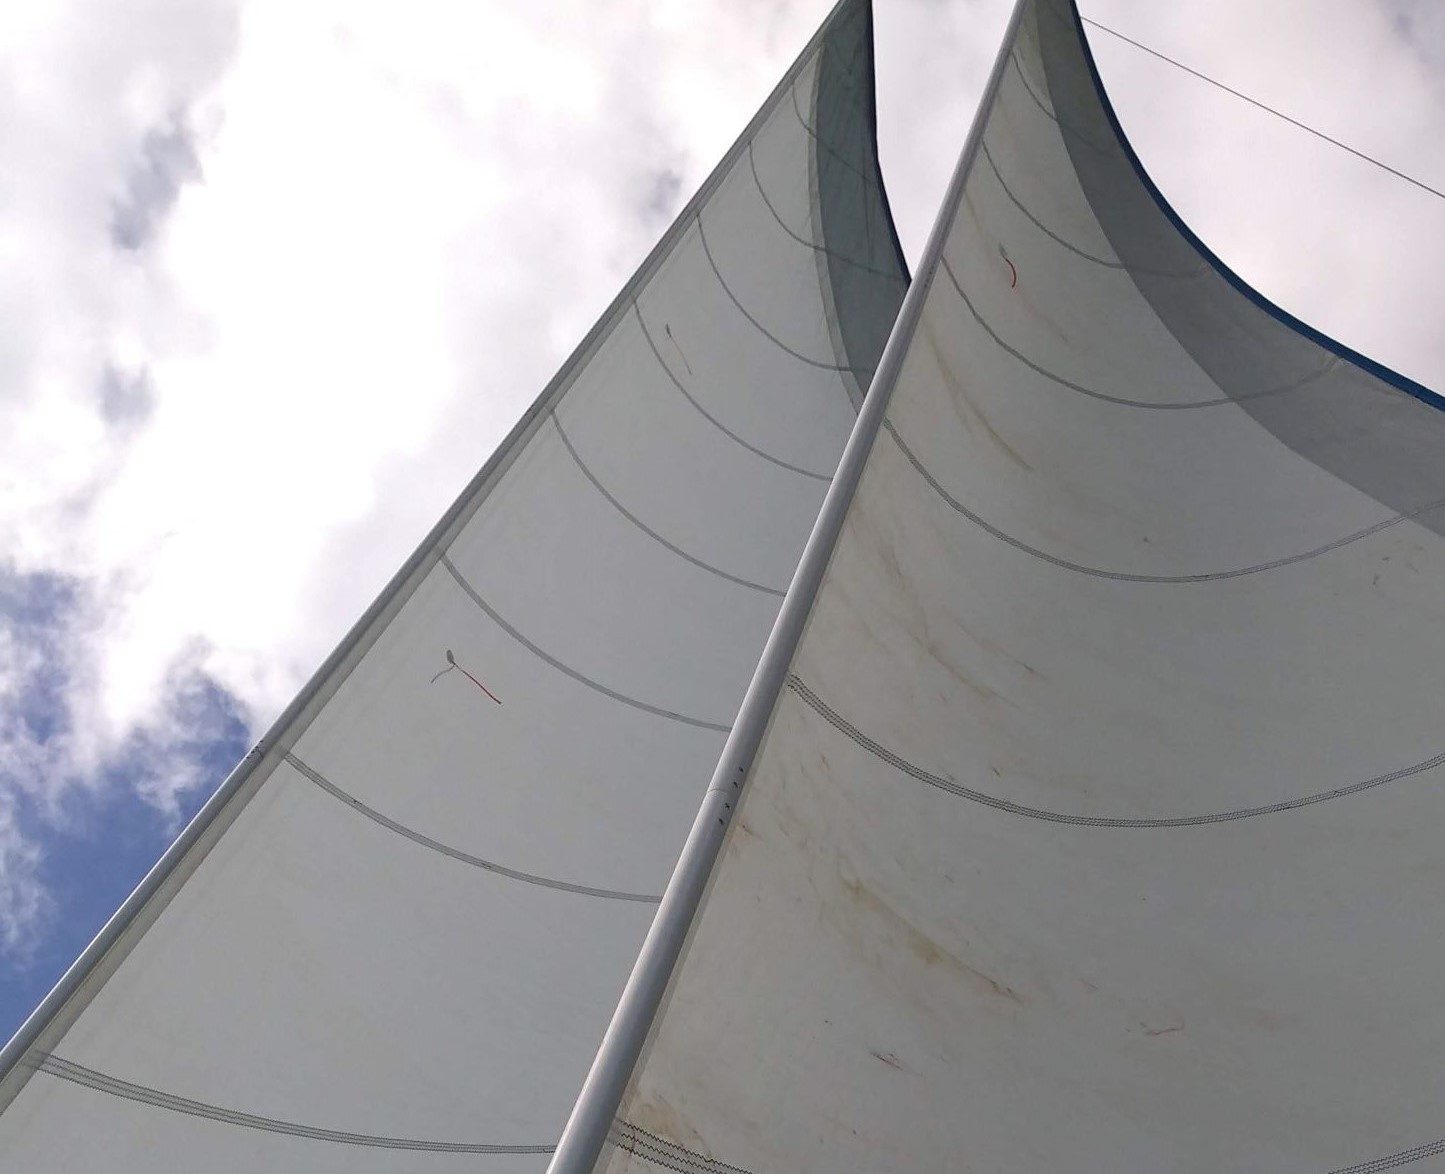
[277, 277]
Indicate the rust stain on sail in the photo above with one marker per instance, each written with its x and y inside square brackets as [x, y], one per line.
[926, 949]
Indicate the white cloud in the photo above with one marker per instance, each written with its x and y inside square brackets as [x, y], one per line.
[33, 674]
[24, 901]
[407, 218]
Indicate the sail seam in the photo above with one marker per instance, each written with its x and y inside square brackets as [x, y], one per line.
[802, 358]
[1391, 1161]
[1131, 577]
[806, 243]
[881, 752]
[1330, 364]
[1064, 126]
[659, 1150]
[1044, 228]
[646, 529]
[827, 147]
[713, 420]
[856, 90]
[661, 1158]
[53, 1065]
[568, 670]
[1073, 248]
[457, 854]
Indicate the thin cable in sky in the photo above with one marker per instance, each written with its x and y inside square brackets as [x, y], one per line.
[1267, 109]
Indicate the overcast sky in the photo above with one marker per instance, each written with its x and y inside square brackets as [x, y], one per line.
[277, 276]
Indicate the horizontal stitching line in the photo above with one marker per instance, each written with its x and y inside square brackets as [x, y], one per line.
[763, 330]
[1390, 1161]
[67, 1070]
[1330, 364]
[455, 853]
[1110, 149]
[828, 147]
[1130, 577]
[843, 726]
[568, 669]
[802, 240]
[651, 533]
[630, 1137]
[709, 417]
[1073, 248]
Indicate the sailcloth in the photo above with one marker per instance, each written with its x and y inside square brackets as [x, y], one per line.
[1098, 823]
[394, 938]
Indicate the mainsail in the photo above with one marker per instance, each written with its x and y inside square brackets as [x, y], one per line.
[394, 937]
[1094, 822]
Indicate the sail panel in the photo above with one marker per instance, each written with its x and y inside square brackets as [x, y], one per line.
[863, 242]
[1096, 823]
[397, 941]
[1245, 344]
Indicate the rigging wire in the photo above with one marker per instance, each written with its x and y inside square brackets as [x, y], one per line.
[1262, 106]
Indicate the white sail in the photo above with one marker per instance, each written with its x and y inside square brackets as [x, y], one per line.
[393, 939]
[1097, 823]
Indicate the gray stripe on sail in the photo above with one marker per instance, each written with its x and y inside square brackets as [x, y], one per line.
[660, 1152]
[843, 726]
[1130, 577]
[567, 669]
[763, 330]
[1073, 248]
[1330, 364]
[1391, 1161]
[709, 417]
[802, 240]
[1108, 149]
[426, 841]
[53, 1065]
[668, 1154]
[813, 134]
[651, 533]
[1039, 224]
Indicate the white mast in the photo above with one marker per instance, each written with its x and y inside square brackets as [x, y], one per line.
[593, 1116]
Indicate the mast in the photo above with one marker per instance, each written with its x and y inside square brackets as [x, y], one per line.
[596, 1109]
